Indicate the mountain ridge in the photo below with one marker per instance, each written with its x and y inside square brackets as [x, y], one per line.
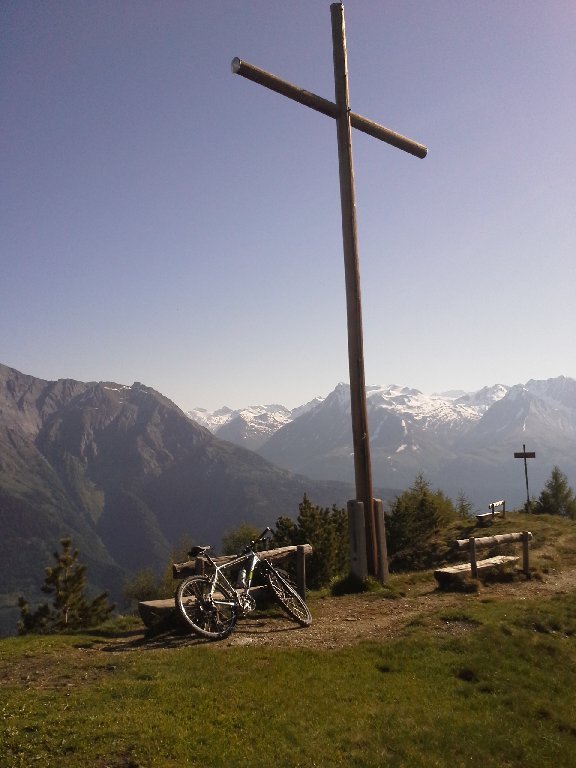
[460, 442]
[128, 475]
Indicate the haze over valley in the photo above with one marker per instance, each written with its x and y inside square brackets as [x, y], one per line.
[129, 475]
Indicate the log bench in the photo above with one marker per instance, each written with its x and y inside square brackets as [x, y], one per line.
[475, 566]
[153, 611]
[487, 518]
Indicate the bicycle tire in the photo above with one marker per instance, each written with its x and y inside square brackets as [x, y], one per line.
[288, 598]
[210, 616]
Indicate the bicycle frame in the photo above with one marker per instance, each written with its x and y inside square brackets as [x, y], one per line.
[218, 576]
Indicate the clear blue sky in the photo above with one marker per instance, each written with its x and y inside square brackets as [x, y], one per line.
[165, 221]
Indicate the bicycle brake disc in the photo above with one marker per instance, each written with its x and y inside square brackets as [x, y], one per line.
[247, 604]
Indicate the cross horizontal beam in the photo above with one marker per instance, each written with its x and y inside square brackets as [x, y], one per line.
[326, 107]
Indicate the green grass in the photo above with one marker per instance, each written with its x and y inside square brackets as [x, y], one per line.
[553, 545]
[488, 684]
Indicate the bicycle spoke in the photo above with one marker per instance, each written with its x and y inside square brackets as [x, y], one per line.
[288, 598]
[208, 617]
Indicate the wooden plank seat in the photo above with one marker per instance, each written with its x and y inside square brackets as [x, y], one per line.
[474, 566]
[481, 565]
[486, 517]
[153, 611]
[496, 508]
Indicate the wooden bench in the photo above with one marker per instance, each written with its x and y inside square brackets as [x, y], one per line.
[487, 518]
[152, 611]
[474, 566]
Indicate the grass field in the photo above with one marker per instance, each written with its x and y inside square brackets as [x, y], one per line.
[495, 688]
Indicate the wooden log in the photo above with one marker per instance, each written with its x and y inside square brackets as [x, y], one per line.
[526, 536]
[481, 565]
[488, 541]
[357, 539]
[383, 572]
[152, 611]
[473, 563]
[192, 567]
[301, 571]
[358, 403]
[326, 107]
[486, 518]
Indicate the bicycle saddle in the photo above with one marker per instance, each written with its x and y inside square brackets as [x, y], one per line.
[195, 551]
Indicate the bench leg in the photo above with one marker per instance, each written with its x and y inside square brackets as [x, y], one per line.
[525, 562]
[472, 551]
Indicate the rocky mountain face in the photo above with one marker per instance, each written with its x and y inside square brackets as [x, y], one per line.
[128, 475]
[461, 442]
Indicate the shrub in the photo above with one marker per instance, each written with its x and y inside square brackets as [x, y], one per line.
[416, 515]
[326, 529]
[557, 498]
[70, 609]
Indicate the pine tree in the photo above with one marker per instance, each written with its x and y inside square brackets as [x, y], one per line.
[464, 507]
[234, 541]
[415, 516]
[557, 498]
[65, 582]
[326, 529]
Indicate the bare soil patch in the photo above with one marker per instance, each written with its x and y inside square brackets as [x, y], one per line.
[343, 621]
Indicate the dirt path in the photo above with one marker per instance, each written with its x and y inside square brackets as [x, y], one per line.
[337, 622]
[342, 621]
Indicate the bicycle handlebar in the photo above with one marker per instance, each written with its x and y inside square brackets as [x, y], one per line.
[253, 543]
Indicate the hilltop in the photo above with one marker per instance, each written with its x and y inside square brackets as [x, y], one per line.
[407, 676]
[124, 472]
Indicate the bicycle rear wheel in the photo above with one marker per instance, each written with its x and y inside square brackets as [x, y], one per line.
[288, 598]
[210, 615]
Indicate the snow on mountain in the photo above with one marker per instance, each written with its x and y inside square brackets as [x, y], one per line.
[255, 424]
[485, 397]
[429, 411]
[405, 426]
[558, 393]
[452, 394]
[302, 409]
[249, 427]
[212, 420]
[459, 441]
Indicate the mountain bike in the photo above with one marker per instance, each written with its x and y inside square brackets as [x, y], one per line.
[211, 604]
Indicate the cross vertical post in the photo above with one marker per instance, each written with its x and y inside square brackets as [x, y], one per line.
[360, 436]
[345, 121]
[524, 454]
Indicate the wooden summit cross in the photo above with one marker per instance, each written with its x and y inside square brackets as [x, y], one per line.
[524, 454]
[345, 121]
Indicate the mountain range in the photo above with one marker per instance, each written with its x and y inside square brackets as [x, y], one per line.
[461, 442]
[128, 475]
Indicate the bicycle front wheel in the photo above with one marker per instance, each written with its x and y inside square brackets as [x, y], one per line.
[210, 615]
[288, 598]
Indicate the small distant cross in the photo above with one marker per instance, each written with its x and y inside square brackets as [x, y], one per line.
[524, 454]
[345, 121]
